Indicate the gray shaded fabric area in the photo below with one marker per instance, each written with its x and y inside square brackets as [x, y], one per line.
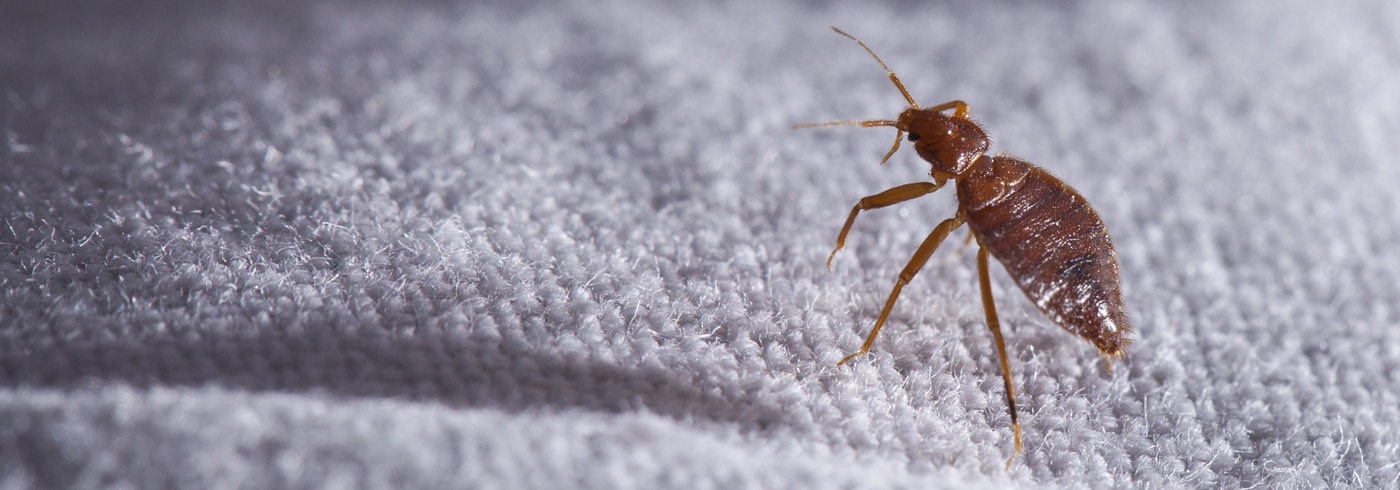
[577, 246]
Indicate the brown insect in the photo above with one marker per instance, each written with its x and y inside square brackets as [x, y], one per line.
[1043, 232]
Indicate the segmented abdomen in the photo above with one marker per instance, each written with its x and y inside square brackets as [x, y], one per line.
[1052, 244]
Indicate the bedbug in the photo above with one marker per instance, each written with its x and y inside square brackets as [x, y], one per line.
[1044, 233]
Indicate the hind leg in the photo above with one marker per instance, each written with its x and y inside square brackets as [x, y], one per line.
[995, 326]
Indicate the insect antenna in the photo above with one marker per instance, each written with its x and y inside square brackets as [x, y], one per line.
[873, 123]
[864, 124]
[899, 133]
[893, 78]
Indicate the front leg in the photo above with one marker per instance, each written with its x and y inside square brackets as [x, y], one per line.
[959, 108]
[889, 197]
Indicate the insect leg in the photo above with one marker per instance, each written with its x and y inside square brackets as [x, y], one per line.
[889, 197]
[966, 241]
[995, 326]
[959, 108]
[915, 263]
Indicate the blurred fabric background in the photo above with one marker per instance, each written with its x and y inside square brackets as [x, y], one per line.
[576, 245]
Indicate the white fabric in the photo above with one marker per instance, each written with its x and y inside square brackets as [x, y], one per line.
[578, 246]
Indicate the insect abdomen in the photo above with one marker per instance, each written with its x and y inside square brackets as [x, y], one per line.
[1052, 244]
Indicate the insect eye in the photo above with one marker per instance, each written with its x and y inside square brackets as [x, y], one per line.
[913, 136]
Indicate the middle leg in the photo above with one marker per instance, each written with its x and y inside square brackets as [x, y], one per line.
[910, 270]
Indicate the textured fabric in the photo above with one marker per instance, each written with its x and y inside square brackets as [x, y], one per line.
[503, 245]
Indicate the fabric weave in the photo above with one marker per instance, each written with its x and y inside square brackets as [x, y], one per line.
[577, 245]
